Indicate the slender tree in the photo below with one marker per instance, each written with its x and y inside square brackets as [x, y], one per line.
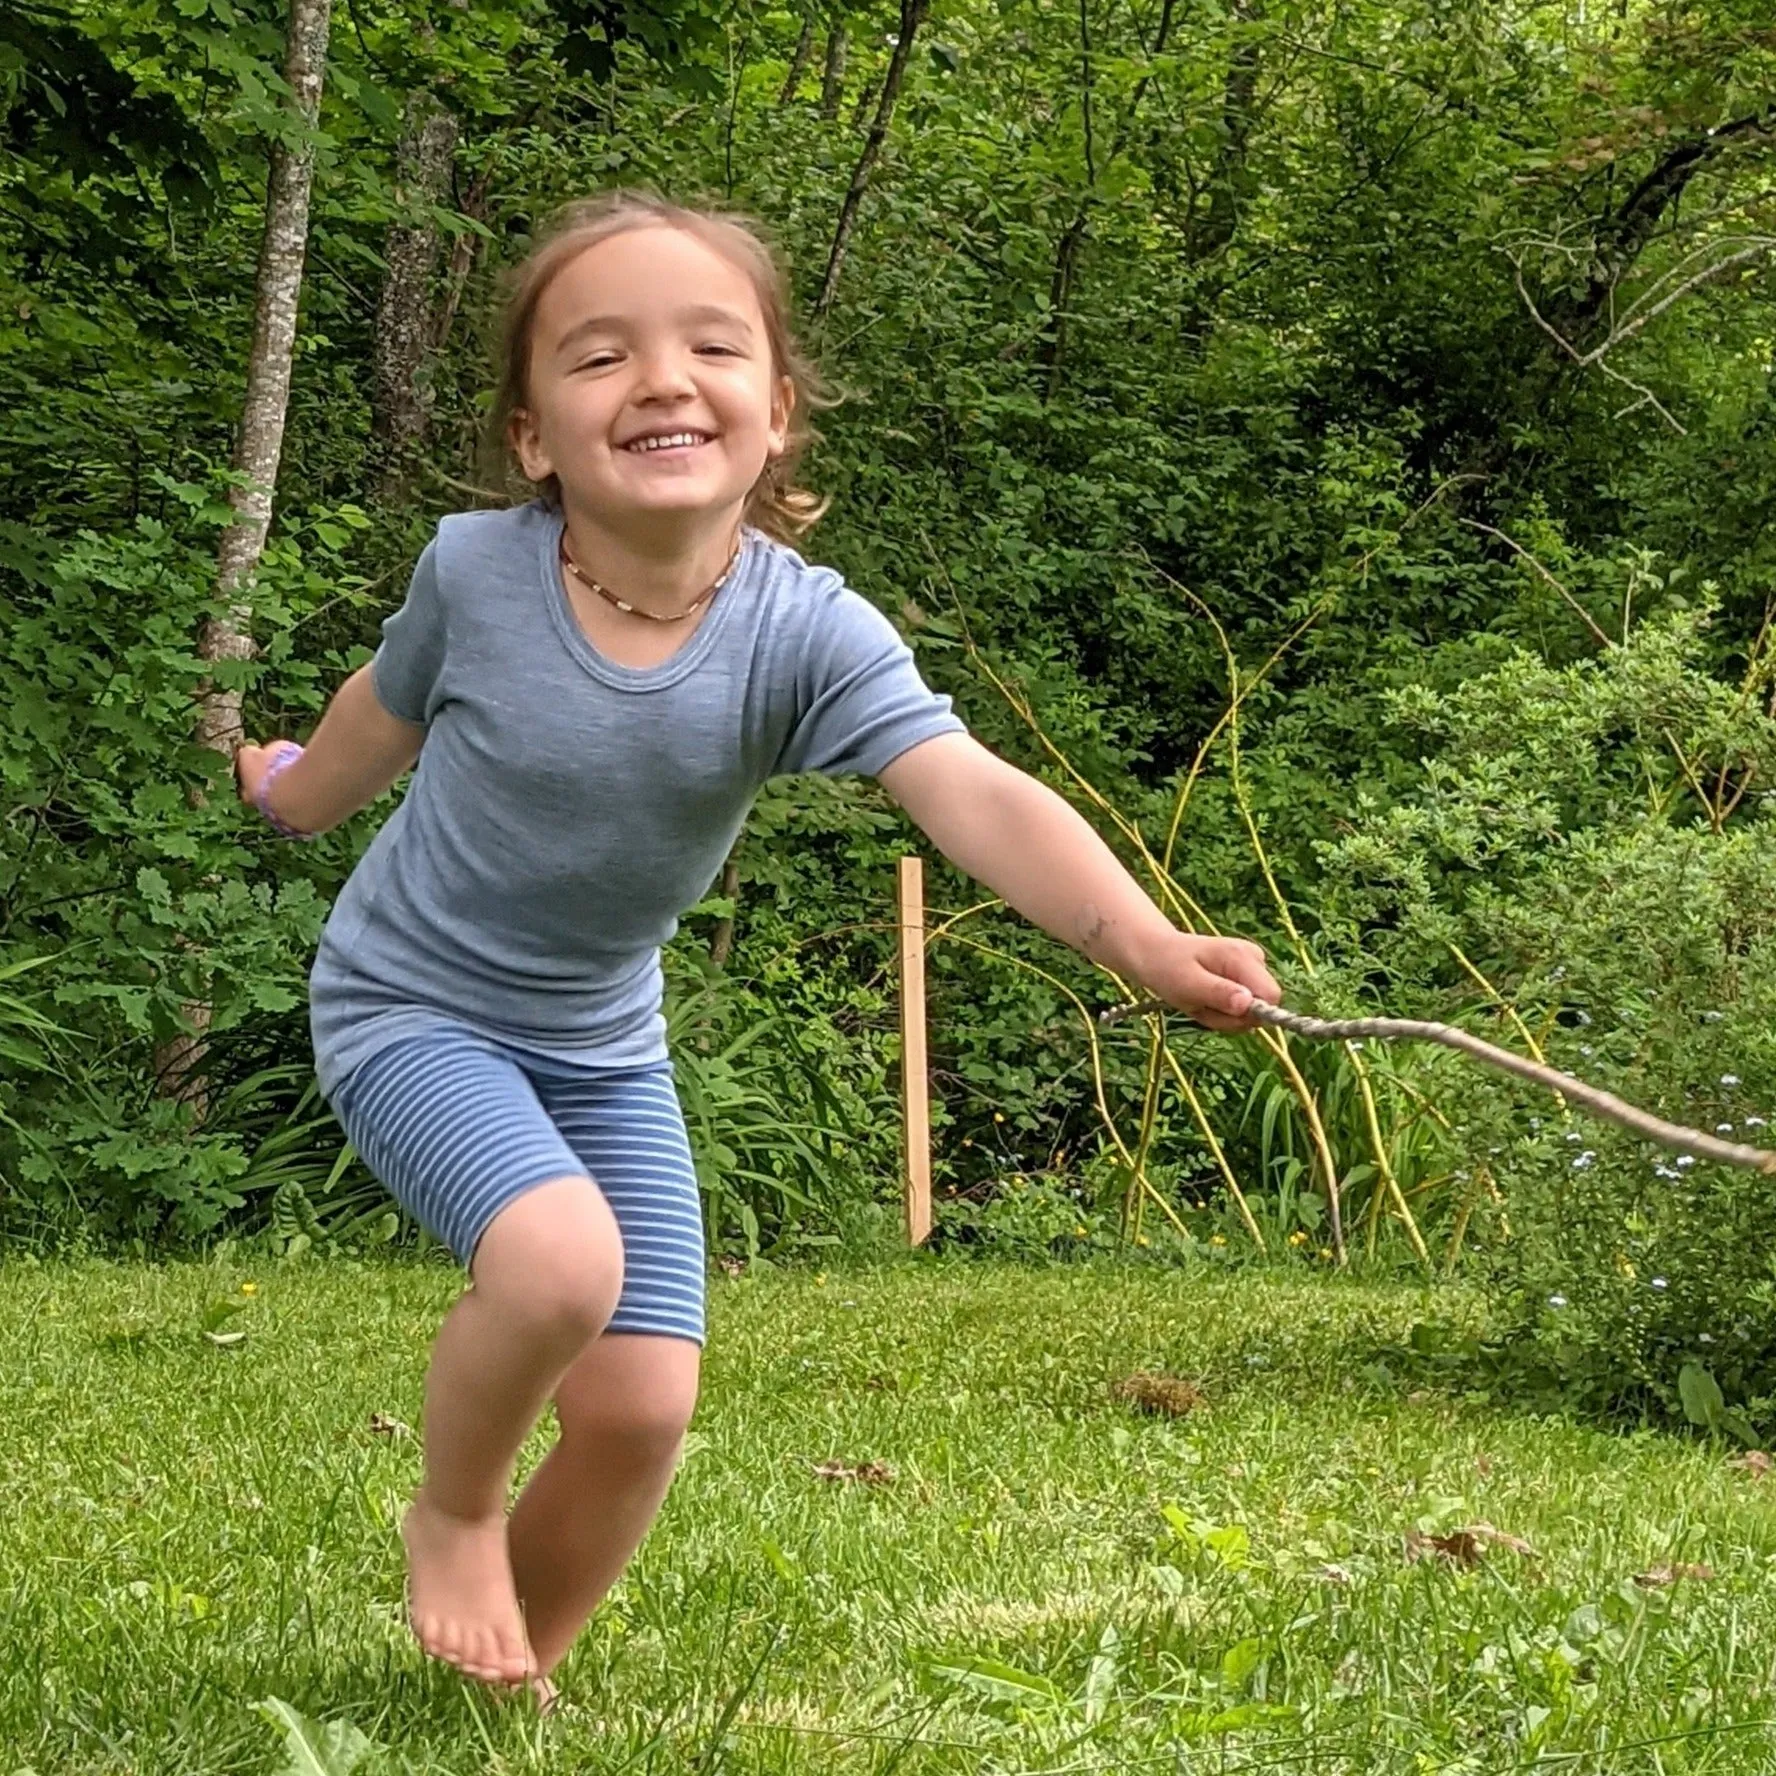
[912, 15]
[258, 445]
[832, 78]
[798, 63]
[400, 399]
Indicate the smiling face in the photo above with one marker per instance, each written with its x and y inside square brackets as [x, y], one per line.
[652, 394]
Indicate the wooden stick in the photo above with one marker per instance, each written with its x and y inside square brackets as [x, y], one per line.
[1587, 1097]
[914, 1068]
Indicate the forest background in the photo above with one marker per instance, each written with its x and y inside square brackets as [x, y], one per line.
[1331, 442]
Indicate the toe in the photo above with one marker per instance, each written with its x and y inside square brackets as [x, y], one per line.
[483, 1657]
[516, 1663]
[446, 1642]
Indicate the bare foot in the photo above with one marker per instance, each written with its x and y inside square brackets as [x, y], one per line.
[461, 1602]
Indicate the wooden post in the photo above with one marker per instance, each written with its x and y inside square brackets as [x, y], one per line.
[914, 1082]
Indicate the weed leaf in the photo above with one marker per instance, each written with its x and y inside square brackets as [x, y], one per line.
[314, 1749]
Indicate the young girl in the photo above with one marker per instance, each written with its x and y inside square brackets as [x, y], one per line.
[595, 685]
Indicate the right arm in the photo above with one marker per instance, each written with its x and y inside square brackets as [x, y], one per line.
[358, 750]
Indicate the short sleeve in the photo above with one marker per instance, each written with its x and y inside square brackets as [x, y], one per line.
[407, 666]
[862, 702]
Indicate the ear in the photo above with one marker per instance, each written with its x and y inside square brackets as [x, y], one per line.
[527, 445]
[783, 402]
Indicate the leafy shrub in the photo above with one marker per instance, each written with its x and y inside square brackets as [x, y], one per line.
[1581, 837]
[132, 883]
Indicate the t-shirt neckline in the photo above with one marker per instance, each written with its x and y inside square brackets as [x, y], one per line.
[613, 672]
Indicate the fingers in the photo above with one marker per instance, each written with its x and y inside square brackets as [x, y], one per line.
[1221, 992]
[1230, 974]
[1243, 962]
[245, 756]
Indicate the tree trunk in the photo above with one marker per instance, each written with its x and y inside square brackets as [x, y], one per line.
[832, 80]
[721, 942]
[1230, 180]
[1060, 294]
[798, 63]
[258, 449]
[463, 249]
[401, 400]
[912, 15]
[1621, 237]
[1066, 261]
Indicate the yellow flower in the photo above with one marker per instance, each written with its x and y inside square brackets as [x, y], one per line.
[249, 1288]
[1298, 1238]
[1142, 1240]
[1217, 1239]
[1079, 1233]
[998, 1115]
[1325, 1251]
[820, 1280]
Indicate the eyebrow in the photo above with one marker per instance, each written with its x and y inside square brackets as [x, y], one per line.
[704, 312]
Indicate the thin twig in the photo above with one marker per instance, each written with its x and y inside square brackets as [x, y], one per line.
[1522, 554]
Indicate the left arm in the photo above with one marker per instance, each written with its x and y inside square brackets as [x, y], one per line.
[1038, 854]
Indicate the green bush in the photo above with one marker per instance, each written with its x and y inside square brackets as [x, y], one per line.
[1570, 840]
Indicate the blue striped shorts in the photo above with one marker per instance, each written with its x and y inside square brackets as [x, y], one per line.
[458, 1125]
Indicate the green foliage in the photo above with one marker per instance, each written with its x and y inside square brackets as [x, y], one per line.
[1241, 313]
[129, 882]
[1561, 843]
[775, 1123]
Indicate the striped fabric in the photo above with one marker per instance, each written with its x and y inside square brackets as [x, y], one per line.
[458, 1125]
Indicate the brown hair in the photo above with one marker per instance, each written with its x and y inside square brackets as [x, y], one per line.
[776, 504]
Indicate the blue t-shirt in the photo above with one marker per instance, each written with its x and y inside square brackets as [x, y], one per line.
[566, 810]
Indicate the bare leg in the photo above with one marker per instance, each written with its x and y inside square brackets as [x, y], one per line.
[547, 1276]
[623, 1407]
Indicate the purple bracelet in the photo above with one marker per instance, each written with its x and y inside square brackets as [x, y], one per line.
[284, 754]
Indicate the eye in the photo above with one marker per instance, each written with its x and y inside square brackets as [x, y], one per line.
[720, 351]
[599, 360]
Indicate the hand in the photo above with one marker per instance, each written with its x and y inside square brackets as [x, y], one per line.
[251, 762]
[1214, 979]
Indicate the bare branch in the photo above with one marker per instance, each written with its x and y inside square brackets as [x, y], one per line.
[1523, 554]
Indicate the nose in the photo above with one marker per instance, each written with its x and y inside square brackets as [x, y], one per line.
[665, 376]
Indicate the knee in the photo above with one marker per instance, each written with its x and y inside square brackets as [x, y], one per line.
[644, 1428]
[553, 1261]
[570, 1296]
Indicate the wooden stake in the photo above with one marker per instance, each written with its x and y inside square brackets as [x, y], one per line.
[914, 1082]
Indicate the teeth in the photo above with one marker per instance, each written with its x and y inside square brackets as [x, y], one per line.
[669, 441]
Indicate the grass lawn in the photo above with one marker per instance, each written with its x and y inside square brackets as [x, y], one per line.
[1049, 1581]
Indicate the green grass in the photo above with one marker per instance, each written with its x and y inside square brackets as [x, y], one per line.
[1050, 1583]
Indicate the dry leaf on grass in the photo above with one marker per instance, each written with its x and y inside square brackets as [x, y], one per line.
[385, 1426]
[1755, 1462]
[1466, 1545]
[1171, 1396]
[870, 1473]
[1670, 1572]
